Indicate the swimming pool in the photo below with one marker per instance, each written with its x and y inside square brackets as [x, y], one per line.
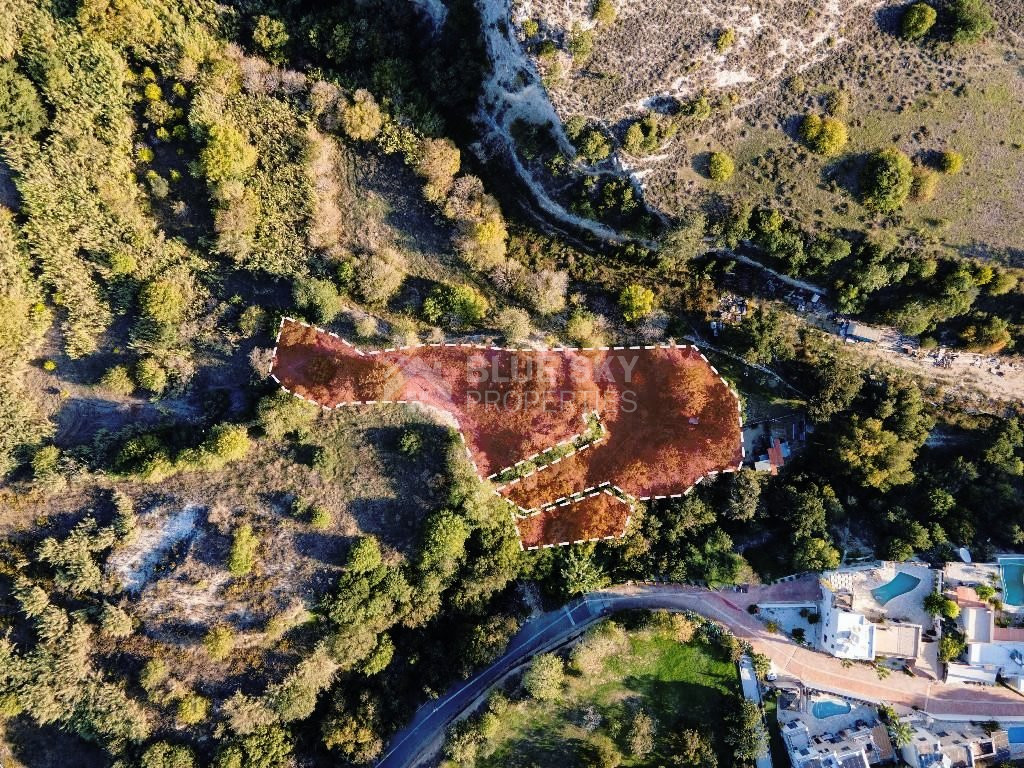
[902, 584]
[1015, 734]
[823, 708]
[1012, 571]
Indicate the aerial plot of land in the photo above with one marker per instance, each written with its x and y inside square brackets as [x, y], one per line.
[358, 357]
[661, 418]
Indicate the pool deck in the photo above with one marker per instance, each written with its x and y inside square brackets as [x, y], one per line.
[908, 607]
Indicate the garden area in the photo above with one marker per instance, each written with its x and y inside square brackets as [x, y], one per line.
[638, 690]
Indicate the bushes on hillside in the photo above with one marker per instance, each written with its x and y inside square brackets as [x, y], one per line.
[951, 162]
[545, 290]
[604, 12]
[971, 20]
[219, 642]
[720, 166]
[244, 546]
[227, 155]
[824, 135]
[361, 118]
[438, 163]
[455, 305]
[118, 380]
[647, 134]
[21, 111]
[318, 299]
[636, 302]
[886, 180]
[514, 324]
[580, 43]
[379, 275]
[544, 679]
[917, 21]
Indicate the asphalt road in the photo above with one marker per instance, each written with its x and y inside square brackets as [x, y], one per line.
[546, 631]
[814, 669]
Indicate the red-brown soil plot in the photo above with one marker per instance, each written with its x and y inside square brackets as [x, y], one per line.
[668, 419]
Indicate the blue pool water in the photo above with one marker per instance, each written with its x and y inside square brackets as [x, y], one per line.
[902, 584]
[829, 708]
[1012, 571]
[1016, 734]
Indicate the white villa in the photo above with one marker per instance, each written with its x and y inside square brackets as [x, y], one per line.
[952, 745]
[992, 652]
[874, 610]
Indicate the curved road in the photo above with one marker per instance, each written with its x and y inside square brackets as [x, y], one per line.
[816, 670]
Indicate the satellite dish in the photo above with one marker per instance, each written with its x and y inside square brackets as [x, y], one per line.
[964, 554]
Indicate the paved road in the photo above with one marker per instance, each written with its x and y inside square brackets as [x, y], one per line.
[815, 670]
[546, 631]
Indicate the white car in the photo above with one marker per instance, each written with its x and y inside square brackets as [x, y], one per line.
[771, 677]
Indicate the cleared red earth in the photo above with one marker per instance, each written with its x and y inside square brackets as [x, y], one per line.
[666, 418]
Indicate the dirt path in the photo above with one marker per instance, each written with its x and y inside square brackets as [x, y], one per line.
[514, 90]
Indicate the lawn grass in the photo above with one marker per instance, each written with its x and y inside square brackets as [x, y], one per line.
[690, 685]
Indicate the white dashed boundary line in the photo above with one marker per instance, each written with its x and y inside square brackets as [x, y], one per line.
[605, 487]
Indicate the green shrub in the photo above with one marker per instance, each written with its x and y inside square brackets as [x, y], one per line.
[244, 545]
[951, 162]
[514, 324]
[271, 37]
[227, 155]
[46, 462]
[531, 28]
[320, 517]
[150, 375]
[379, 276]
[594, 146]
[823, 135]
[163, 302]
[886, 180]
[582, 329]
[924, 185]
[154, 674]
[636, 302]
[604, 12]
[164, 755]
[361, 119]
[115, 622]
[364, 556]
[317, 299]
[971, 19]
[725, 40]
[280, 414]
[698, 108]
[918, 20]
[265, 747]
[721, 166]
[457, 305]
[152, 92]
[410, 443]
[647, 134]
[21, 111]
[438, 163]
[219, 642]
[192, 709]
[252, 320]
[49, 365]
[581, 43]
[544, 679]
